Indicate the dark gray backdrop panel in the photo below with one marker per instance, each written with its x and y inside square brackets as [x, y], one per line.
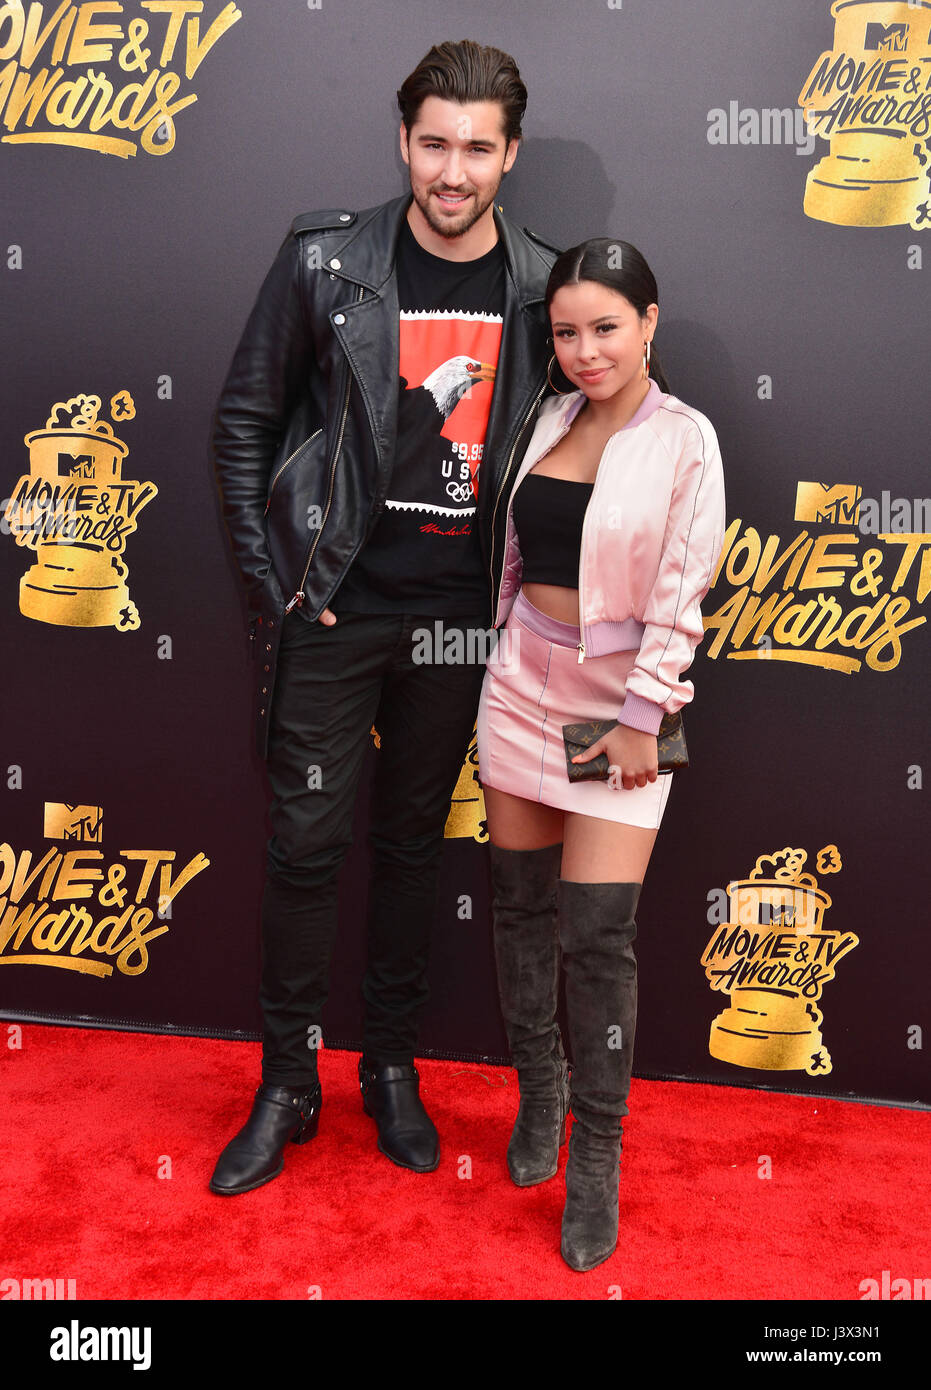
[137, 268]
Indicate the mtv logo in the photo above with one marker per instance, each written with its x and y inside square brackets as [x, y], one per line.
[891, 37]
[70, 466]
[66, 822]
[835, 504]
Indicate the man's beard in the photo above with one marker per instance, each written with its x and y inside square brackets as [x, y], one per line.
[454, 227]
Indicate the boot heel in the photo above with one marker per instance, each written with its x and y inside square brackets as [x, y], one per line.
[307, 1130]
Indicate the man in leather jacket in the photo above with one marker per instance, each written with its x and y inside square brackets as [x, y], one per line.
[372, 421]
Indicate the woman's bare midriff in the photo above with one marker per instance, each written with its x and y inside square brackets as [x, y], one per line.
[555, 601]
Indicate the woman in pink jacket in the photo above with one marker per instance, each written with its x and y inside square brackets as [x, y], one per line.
[614, 527]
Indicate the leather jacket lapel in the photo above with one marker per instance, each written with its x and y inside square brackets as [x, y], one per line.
[370, 339]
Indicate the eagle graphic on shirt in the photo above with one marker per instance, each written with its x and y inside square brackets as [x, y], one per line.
[448, 361]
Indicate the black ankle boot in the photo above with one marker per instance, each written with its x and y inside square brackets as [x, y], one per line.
[255, 1155]
[526, 940]
[406, 1134]
[597, 931]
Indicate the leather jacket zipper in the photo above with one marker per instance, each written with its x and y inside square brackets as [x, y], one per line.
[299, 597]
[496, 598]
[285, 464]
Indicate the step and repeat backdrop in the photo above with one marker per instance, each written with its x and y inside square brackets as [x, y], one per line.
[773, 163]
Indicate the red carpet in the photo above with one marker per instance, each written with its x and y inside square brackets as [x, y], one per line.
[90, 1119]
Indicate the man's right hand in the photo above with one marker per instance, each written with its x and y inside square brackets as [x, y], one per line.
[327, 617]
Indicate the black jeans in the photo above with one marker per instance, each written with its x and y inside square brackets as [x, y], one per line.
[333, 684]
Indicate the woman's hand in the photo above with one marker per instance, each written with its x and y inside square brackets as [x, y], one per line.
[632, 756]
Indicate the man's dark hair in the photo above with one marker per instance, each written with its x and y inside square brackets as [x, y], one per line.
[465, 72]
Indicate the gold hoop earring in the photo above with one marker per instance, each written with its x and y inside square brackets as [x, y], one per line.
[550, 379]
[646, 360]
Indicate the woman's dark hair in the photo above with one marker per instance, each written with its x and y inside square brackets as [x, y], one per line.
[618, 266]
[465, 72]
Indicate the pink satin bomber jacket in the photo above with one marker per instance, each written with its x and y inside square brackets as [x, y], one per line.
[651, 539]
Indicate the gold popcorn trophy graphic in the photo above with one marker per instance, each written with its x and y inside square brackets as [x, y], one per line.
[870, 98]
[75, 510]
[466, 819]
[772, 957]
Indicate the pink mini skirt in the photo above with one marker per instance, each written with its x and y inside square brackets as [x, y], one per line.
[534, 683]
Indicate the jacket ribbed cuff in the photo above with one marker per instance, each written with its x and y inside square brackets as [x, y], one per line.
[641, 714]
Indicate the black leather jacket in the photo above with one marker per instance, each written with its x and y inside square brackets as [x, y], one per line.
[304, 432]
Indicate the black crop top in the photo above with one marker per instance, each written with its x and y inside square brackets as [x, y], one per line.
[548, 515]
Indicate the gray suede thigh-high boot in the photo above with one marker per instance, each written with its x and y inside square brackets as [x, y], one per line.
[596, 933]
[527, 955]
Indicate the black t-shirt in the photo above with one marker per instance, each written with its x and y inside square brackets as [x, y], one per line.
[424, 554]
